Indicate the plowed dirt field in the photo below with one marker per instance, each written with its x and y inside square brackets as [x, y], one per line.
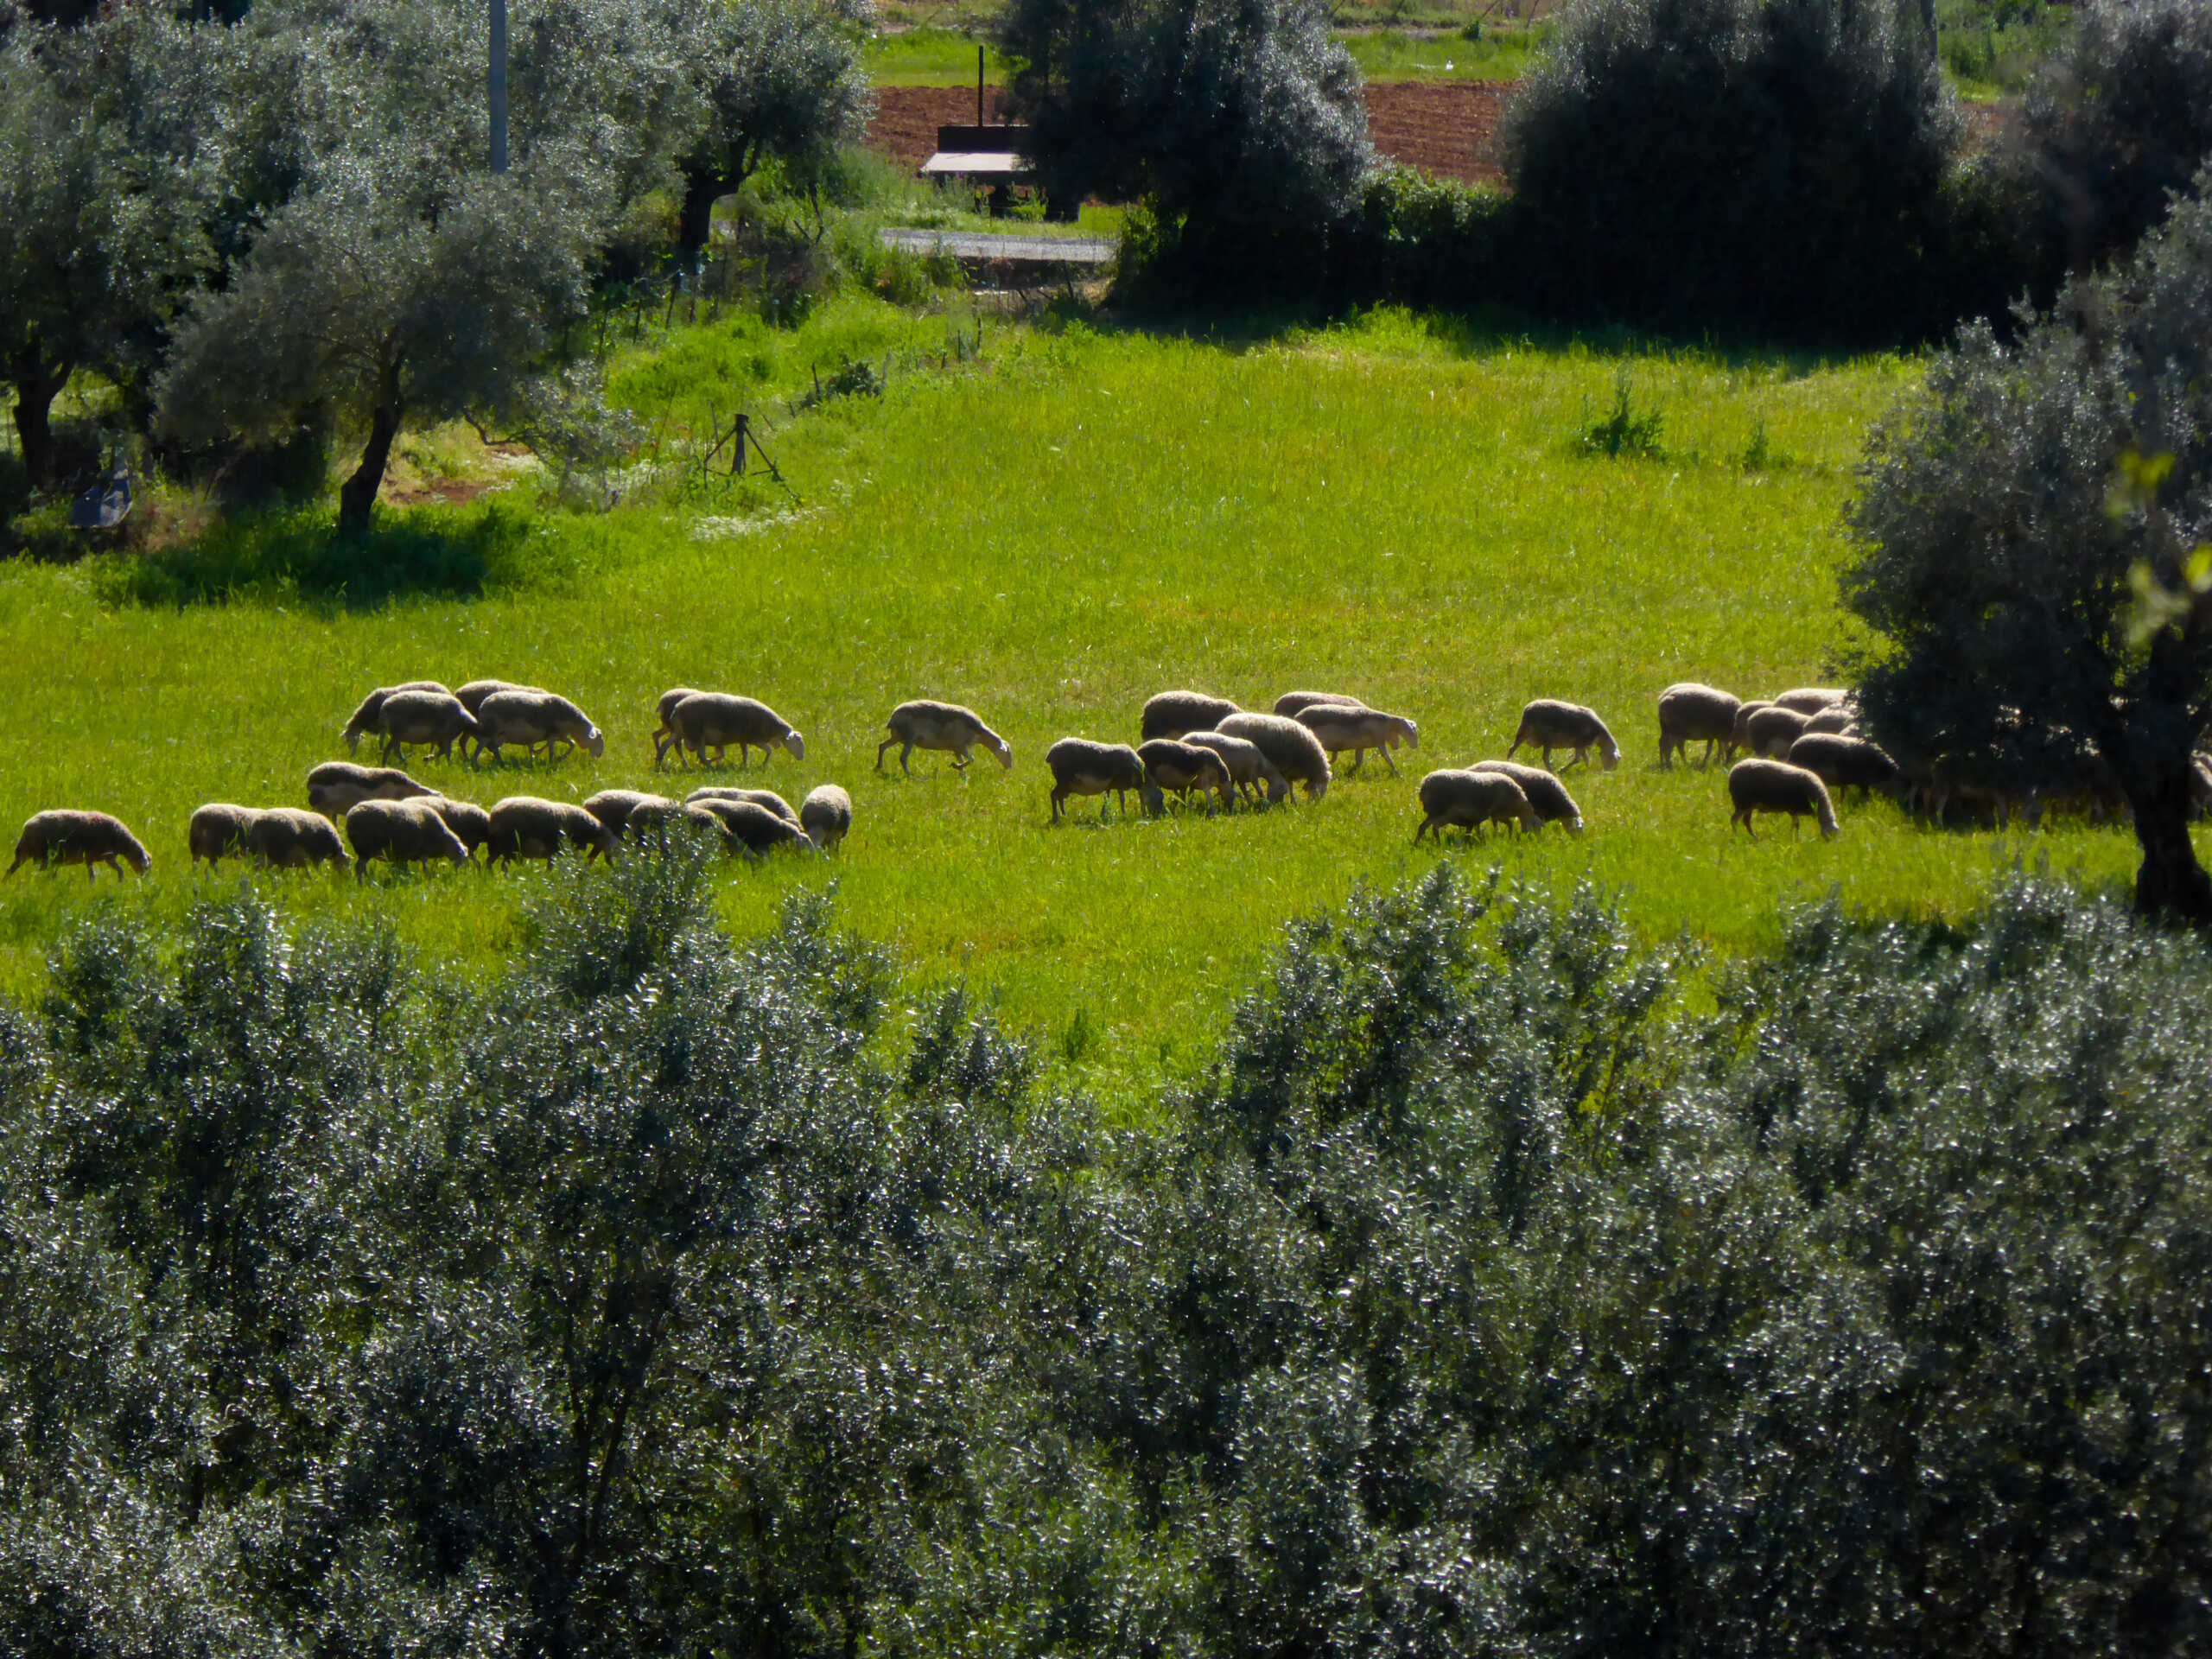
[1446, 127]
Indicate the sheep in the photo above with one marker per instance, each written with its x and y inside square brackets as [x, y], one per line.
[1178, 714]
[1843, 762]
[61, 837]
[1548, 724]
[471, 697]
[1772, 730]
[1169, 763]
[1291, 748]
[1740, 734]
[524, 826]
[470, 823]
[365, 718]
[613, 807]
[1777, 786]
[533, 717]
[1354, 726]
[664, 733]
[1291, 704]
[650, 820]
[2200, 784]
[1810, 699]
[399, 832]
[1080, 766]
[336, 787]
[216, 829]
[1546, 793]
[943, 726]
[1690, 713]
[753, 828]
[424, 717]
[826, 815]
[1249, 769]
[1470, 799]
[767, 798]
[1836, 717]
[286, 838]
[713, 719]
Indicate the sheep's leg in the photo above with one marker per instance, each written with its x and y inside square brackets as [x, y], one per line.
[1058, 796]
[1357, 757]
[1388, 761]
[1422, 826]
[960, 759]
[883, 748]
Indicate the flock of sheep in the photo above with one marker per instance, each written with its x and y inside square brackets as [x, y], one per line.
[1802, 742]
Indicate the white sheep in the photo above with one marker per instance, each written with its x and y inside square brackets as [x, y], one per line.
[1690, 713]
[714, 720]
[1777, 786]
[826, 815]
[1342, 726]
[1548, 724]
[943, 728]
[1290, 749]
[62, 836]
[1470, 799]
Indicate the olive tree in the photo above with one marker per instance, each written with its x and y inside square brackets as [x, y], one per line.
[1227, 112]
[765, 78]
[105, 174]
[372, 299]
[2009, 513]
[1761, 163]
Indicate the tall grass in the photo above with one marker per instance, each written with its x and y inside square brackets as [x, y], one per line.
[1388, 507]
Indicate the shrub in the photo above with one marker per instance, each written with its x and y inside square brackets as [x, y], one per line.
[2116, 124]
[1771, 164]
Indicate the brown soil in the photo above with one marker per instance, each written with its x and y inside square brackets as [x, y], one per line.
[1445, 127]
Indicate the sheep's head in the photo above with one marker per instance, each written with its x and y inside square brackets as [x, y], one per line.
[595, 742]
[352, 736]
[1610, 752]
[796, 744]
[1004, 750]
[1413, 733]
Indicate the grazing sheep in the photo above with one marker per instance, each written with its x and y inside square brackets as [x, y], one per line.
[1548, 724]
[365, 718]
[1170, 763]
[1352, 726]
[1810, 699]
[943, 726]
[2200, 784]
[1546, 793]
[1249, 769]
[287, 837]
[650, 821]
[613, 807]
[1773, 730]
[1290, 749]
[399, 832]
[826, 815]
[767, 798]
[1740, 734]
[665, 734]
[1291, 704]
[1690, 713]
[753, 828]
[1836, 717]
[1178, 714]
[1843, 762]
[425, 717]
[1080, 766]
[533, 717]
[1777, 786]
[714, 720]
[61, 837]
[524, 826]
[216, 829]
[470, 823]
[336, 787]
[471, 697]
[1470, 799]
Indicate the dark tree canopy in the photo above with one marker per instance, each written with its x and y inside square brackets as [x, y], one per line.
[1227, 112]
[2117, 122]
[1999, 548]
[1771, 164]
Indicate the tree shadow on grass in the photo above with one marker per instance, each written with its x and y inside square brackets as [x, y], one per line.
[296, 557]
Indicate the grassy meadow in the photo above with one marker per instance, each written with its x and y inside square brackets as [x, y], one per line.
[1051, 533]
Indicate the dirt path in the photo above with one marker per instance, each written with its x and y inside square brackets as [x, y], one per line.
[1446, 127]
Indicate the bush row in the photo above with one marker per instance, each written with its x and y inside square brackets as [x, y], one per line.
[1485, 1298]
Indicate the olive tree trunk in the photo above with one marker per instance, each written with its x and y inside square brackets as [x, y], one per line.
[37, 383]
[357, 497]
[2171, 886]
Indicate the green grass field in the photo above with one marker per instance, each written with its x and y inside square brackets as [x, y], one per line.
[1051, 534]
[934, 56]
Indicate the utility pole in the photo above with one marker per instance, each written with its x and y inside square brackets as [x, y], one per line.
[498, 99]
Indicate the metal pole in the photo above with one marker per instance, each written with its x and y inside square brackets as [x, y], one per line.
[979, 85]
[499, 85]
